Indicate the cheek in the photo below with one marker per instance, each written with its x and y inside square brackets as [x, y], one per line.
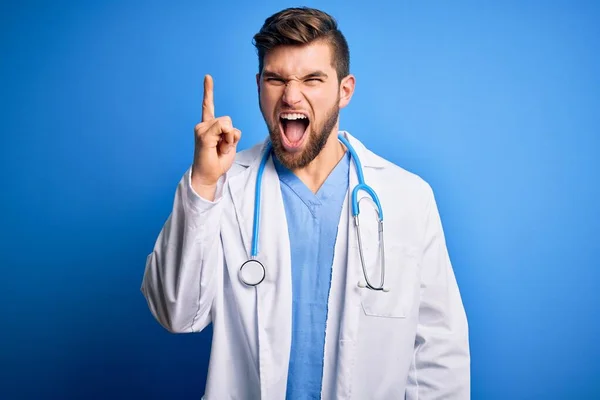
[322, 101]
[268, 100]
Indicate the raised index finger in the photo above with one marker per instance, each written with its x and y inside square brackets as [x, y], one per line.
[208, 105]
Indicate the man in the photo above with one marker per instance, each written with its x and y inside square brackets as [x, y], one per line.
[311, 327]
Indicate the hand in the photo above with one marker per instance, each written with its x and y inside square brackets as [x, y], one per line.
[215, 146]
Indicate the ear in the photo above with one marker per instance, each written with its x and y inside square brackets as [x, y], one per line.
[258, 82]
[346, 90]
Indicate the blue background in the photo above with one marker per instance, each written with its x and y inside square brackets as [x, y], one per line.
[496, 105]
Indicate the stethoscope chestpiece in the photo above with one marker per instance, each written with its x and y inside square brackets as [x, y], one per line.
[252, 272]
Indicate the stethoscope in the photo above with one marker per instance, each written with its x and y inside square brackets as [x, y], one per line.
[253, 272]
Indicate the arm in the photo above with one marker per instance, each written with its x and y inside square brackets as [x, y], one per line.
[441, 360]
[181, 275]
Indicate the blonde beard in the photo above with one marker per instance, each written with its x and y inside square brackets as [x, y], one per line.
[314, 143]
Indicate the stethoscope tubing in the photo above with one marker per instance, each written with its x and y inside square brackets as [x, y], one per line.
[355, 212]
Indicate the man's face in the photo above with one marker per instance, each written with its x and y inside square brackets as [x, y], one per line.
[300, 101]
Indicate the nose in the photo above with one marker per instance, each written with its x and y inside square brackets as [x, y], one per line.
[292, 94]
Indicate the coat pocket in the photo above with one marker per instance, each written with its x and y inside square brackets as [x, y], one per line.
[401, 277]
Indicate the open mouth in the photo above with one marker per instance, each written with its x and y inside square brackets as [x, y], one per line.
[294, 127]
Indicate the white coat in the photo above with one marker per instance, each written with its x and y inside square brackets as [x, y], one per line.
[411, 342]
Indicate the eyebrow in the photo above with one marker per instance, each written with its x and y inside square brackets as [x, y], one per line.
[315, 74]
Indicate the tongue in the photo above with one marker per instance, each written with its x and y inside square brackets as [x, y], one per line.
[294, 130]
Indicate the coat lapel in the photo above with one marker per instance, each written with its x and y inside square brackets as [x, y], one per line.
[345, 295]
[273, 295]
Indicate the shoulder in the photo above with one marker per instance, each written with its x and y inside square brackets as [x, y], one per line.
[405, 197]
[400, 180]
[389, 176]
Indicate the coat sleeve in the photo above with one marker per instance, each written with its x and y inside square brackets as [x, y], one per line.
[440, 366]
[181, 274]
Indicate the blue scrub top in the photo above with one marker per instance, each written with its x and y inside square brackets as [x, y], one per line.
[313, 221]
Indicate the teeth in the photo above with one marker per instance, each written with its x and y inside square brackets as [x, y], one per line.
[293, 116]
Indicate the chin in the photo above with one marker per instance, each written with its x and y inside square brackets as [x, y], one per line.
[291, 157]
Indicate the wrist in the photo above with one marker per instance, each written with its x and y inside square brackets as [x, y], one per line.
[204, 189]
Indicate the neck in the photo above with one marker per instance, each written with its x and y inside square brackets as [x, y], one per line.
[315, 173]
